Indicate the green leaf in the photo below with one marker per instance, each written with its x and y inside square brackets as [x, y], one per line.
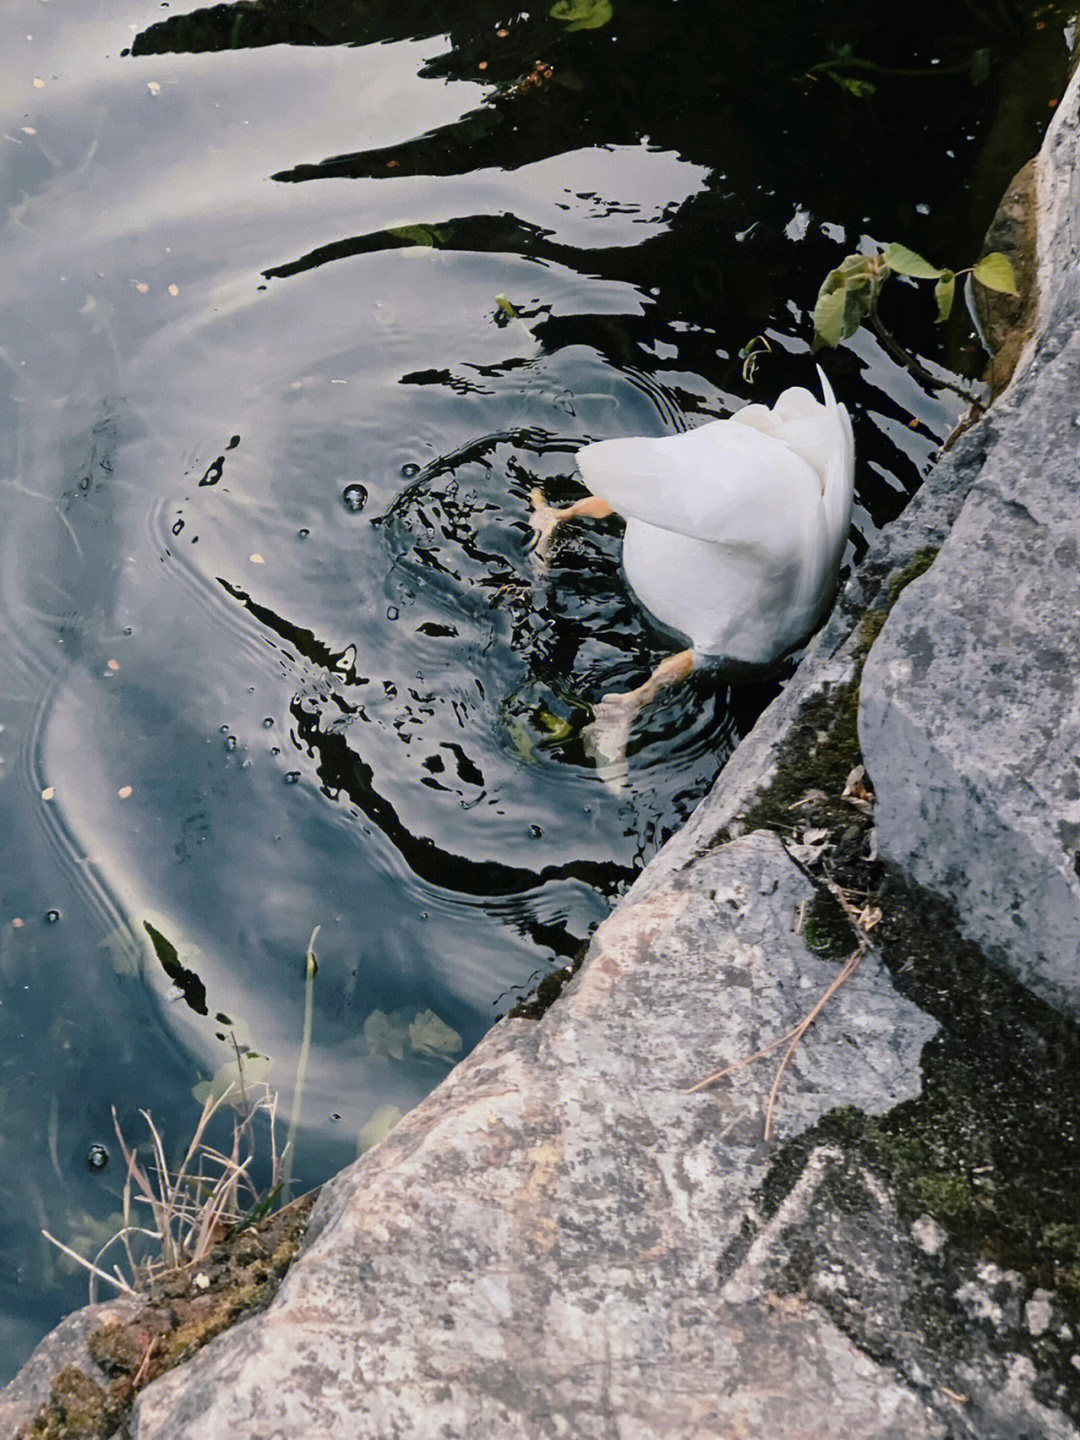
[853, 267]
[995, 271]
[906, 262]
[844, 300]
[582, 14]
[861, 89]
[944, 291]
[416, 234]
[980, 67]
[829, 318]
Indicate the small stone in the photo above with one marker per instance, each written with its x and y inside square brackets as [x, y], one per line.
[1038, 1312]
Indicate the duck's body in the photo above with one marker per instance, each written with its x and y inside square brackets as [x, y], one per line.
[735, 530]
[734, 535]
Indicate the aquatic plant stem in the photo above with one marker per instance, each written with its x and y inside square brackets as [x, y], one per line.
[897, 351]
[310, 971]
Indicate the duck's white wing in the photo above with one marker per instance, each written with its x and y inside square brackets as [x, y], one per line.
[725, 481]
[821, 434]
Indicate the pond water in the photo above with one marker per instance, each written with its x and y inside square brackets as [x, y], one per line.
[299, 301]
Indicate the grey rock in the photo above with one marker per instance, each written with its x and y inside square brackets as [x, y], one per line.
[533, 1251]
[21, 1400]
[957, 1331]
[970, 699]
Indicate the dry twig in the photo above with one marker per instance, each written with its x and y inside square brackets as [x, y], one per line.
[861, 921]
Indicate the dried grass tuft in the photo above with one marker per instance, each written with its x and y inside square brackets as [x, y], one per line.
[194, 1207]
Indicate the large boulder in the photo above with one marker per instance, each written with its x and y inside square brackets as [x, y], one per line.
[534, 1250]
[970, 699]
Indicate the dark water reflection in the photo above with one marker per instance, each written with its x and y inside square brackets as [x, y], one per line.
[299, 302]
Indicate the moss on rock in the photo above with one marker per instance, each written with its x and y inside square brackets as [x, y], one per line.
[991, 1148]
[184, 1309]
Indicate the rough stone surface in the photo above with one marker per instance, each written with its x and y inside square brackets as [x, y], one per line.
[533, 1251]
[970, 699]
[66, 1345]
[837, 1242]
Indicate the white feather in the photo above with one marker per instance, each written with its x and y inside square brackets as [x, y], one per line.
[735, 530]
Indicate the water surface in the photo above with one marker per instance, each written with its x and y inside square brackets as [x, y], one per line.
[298, 304]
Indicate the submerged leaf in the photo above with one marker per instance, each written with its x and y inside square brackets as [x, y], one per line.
[394, 1035]
[557, 729]
[995, 271]
[124, 949]
[386, 1035]
[582, 14]
[428, 1035]
[861, 89]
[235, 1077]
[381, 1121]
[980, 67]
[906, 262]
[416, 234]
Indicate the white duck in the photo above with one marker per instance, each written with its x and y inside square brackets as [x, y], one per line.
[734, 533]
